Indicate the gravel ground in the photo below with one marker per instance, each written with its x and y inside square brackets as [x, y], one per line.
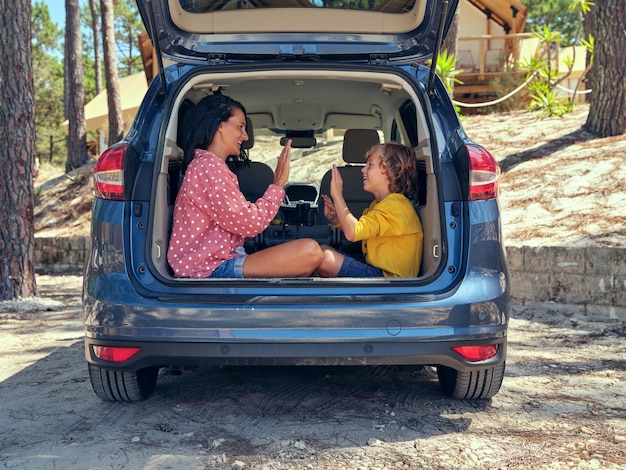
[562, 405]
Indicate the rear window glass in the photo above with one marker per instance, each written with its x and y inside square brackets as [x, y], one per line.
[385, 6]
[307, 164]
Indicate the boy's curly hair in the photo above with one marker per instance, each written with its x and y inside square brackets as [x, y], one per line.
[400, 165]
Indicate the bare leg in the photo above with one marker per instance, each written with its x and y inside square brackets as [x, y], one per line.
[331, 262]
[297, 258]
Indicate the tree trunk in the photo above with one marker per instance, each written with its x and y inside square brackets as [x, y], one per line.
[451, 39]
[97, 58]
[116, 123]
[77, 154]
[607, 110]
[17, 151]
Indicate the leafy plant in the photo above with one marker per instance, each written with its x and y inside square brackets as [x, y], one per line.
[545, 98]
[544, 95]
[446, 69]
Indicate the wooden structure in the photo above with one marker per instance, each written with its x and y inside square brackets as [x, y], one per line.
[491, 42]
[510, 15]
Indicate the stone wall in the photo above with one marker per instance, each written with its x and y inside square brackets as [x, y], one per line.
[589, 281]
[61, 255]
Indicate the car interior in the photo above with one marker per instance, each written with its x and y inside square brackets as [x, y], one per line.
[317, 109]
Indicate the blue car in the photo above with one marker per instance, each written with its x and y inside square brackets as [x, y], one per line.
[334, 80]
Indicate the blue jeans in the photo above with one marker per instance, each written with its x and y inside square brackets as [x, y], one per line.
[353, 268]
[232, 268]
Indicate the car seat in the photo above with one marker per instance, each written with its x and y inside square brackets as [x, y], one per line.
[356, 142]
[256, 177]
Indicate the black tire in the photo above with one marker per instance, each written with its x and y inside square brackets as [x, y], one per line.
[123, 386]
[474, 385]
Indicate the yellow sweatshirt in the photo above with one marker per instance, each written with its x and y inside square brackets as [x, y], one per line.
[392, 236]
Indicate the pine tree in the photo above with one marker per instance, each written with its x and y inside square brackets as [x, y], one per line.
[607, 107]
[116, 123]
[17, 149]
[77, 154]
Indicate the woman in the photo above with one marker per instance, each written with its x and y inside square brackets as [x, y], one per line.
[212, 217]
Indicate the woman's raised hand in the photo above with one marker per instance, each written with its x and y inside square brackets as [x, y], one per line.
[329, 210]
[283, 164]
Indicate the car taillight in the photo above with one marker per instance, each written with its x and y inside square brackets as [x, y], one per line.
[477, 353]
[114, 353]
[484, 177]
[108, 177]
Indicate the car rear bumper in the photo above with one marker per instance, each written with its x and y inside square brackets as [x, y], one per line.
[324, 353]
[301, 332]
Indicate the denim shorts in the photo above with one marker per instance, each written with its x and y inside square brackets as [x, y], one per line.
[232, 268]
[353, 268]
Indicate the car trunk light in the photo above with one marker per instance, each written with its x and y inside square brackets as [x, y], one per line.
[108, 177]
[477, 353]
[114, 353]
[484, 177]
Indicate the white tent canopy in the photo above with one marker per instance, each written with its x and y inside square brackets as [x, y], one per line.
[132, 90]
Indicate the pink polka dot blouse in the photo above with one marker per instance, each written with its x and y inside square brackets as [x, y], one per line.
[212, 217]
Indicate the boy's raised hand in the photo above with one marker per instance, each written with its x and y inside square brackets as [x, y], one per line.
[336, 183]
[342, 216]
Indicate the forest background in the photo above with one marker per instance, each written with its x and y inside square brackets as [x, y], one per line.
[48, 68]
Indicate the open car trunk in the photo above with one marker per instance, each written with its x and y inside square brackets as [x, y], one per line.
[318, 108]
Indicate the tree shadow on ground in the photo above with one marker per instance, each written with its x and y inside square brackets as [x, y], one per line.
[546, 149]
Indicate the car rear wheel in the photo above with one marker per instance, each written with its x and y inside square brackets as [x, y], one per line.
[473, 385]
[123, 386]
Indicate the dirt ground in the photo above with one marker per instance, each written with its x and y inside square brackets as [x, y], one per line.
[560, 185]
[562, 405]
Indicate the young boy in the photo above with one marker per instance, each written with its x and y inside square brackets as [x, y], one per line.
[390, 230]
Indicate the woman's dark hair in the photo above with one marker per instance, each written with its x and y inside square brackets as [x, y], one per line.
[400, 164]
[204, 121]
